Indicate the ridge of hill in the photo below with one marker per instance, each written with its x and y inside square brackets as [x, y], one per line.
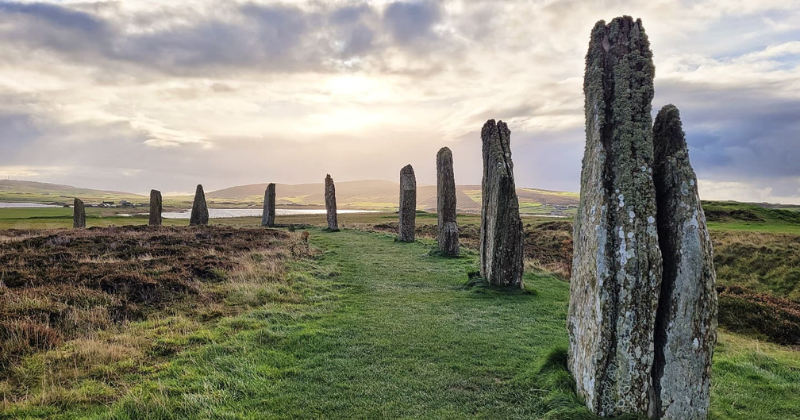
[31, 191]
[384, 195]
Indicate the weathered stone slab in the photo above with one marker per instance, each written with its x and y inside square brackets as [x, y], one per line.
[156, 207]
[686, 323]
[446, 203]
[408, 205]
[78, 214]
[616, 272]
[268, 216]
[330, 204]
[199, 214]
[501, 227]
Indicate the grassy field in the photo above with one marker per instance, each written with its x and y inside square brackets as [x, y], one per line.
[357, 326]
[380, 329]
[733, 216]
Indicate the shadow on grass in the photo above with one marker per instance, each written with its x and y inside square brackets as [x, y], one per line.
[480, 286]
[462, 255]
[561, 402]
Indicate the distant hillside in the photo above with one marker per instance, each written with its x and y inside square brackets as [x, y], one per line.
[30, 191]
[384, 195]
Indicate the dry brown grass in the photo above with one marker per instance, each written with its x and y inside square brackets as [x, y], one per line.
[81, 309]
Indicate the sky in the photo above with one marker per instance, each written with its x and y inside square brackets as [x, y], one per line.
[131, 95]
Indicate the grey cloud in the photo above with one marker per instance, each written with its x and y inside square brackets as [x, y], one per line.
[18, 130]
[250, 36]
[356, 27]
[737, 134]
[410, 22]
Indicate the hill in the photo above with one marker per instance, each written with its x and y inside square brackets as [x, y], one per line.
[384, 195]
[30, 191]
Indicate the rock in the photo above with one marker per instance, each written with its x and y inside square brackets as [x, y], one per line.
[686, 322]
[616, 271]
[446, 203]
[408, 205]
[268, 217]
[501, 227]
[330, 204]
[199, 208]
[78, 214]
[156, 207]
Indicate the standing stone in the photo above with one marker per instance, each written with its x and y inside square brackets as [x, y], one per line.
[268, 217]
[199, 208]
[155, 208]
[616, 271]
[446, 203]
[501, 226]
[686, 323]
[78, 214]
[330, 204]
[408, 205]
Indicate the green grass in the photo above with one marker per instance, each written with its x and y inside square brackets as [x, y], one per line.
[733, 216]
[387, 331]
[754, 380]
[60, 217]
[405, 340]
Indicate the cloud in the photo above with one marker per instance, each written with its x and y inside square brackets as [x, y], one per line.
[168, 94]
[228, 37]
[412, 22]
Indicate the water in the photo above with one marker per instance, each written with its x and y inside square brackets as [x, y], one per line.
[25, 205]
[225, 213]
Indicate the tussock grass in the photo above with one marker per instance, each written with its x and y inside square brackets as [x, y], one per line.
[84, 313]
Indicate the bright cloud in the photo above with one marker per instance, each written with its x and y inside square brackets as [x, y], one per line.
[155, 94]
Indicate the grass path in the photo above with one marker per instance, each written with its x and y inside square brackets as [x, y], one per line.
[404, 339]
[391, 333]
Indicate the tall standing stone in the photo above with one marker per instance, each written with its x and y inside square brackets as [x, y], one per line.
[501, 226]
[330, 204]
[268, 217]
[199, 208]
[616, 272]
[446, 203]
[686, 322]
[408, 205]
[156, 207]
[78, 214]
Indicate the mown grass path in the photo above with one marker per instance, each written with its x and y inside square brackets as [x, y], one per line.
[391, 333]
[403, 339]
[409, 341]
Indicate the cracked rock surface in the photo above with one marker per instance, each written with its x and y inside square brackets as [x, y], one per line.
[268, 214]
[686, 325]
[501, 227]
[446, 203]
[616, 274]
[408, 205]
[330, 203]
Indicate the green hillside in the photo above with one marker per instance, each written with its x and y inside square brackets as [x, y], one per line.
[384, 195]
[38, 192]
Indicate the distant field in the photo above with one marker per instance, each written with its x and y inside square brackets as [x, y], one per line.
[367, 195]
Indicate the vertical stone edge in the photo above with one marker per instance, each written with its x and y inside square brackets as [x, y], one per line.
[446, 204]
[78, 214]
[501, 253]
[199, 216]
[330, 204]
[268, 212]
[407, 212]
[617, 262]
[156, 208]
[686, 321]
